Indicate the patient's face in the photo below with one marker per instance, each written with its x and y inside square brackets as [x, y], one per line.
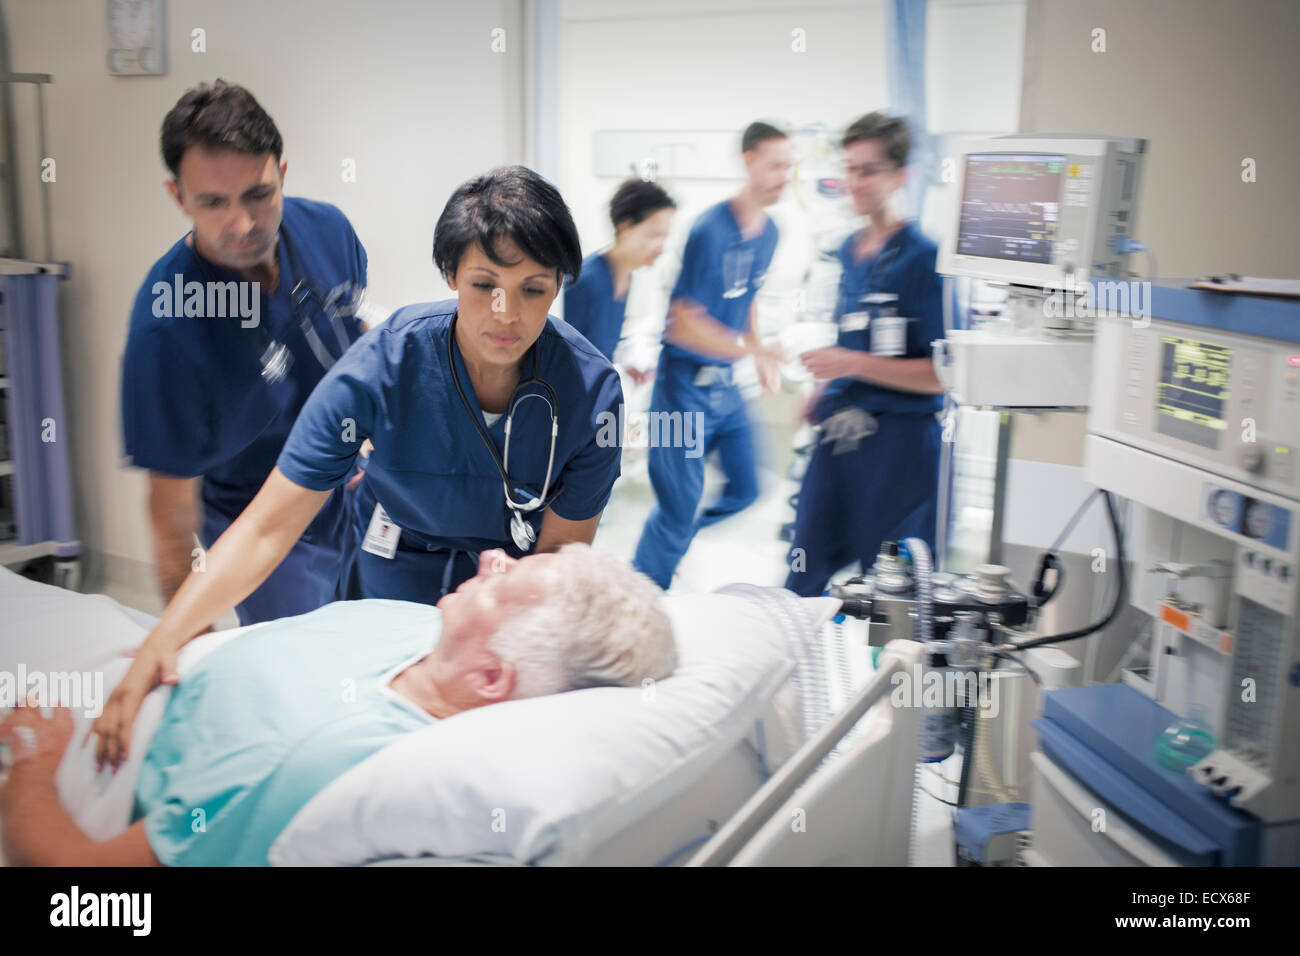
[476, 609]
[502, 586]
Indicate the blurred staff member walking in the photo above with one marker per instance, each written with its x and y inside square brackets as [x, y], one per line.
[712, 322]
[874, 476]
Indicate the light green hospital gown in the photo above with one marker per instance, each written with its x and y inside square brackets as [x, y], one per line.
[266, 721]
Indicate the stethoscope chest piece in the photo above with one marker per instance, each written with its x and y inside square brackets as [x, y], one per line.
[522, 532]
[276, 361]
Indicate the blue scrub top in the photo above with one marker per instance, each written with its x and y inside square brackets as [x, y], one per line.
[717, 258]
[429, 469]
[905, 267]
[193, 398]
[590, 306]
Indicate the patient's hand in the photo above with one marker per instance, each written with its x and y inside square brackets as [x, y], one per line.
[36, 829]
[36, 745]
[152, 666]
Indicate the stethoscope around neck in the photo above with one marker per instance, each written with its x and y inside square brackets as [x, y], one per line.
[520, 530]
[276, 358]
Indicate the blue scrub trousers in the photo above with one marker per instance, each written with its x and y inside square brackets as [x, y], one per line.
[308, 576]
[885, 489]
[677, 474]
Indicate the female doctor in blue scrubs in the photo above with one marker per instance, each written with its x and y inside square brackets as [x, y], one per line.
[484, 415]
[595, 304]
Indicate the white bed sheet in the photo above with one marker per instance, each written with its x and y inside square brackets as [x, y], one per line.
[52, 629]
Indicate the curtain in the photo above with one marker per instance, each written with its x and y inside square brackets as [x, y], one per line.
[37, 424]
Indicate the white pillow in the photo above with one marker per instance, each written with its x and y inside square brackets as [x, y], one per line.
[549, 779]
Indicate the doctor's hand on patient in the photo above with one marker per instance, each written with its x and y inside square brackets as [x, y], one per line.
[238, 562]
[154, 664]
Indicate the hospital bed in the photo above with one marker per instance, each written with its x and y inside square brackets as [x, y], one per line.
[602, 776]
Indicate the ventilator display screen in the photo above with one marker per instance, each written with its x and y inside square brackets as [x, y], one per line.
[1011, 206]
[1193, 390]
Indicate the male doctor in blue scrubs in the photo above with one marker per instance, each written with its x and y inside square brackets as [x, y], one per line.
[874, 475]
[453, 395]
[712, 322]
[219, 360]
[596, 304]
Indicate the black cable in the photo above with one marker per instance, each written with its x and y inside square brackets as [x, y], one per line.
[1121, 592]
[1049, 561]
[1024, 668]
[934, 796]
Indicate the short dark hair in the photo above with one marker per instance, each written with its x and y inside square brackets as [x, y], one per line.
[220, 115]
[891, 131]
[636, 200]
[510, 202]
[758, 133]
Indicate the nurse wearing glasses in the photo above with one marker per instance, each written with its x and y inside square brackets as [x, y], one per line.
[874, 475]
[231, 330]
[487, 418]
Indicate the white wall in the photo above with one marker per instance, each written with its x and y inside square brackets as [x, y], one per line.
[719, 64]
[973, 55]
[410, 89]
[713, 65]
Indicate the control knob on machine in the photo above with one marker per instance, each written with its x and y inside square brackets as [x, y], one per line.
[1259, 520]
[1252, 458]
[992, 583]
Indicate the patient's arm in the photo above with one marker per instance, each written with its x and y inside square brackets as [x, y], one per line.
[37, 831]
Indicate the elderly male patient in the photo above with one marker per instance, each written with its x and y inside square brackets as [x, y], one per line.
[264, 722]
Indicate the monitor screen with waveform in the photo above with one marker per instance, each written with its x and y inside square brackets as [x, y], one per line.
[1010, 208]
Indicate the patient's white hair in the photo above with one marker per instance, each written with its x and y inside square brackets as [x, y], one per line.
[602, 624]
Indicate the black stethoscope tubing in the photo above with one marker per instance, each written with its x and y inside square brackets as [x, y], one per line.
[515, 507]
[297, 298]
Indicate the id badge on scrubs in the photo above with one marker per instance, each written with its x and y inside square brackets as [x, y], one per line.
[888, 335]
[381, 536]
[854, 321]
